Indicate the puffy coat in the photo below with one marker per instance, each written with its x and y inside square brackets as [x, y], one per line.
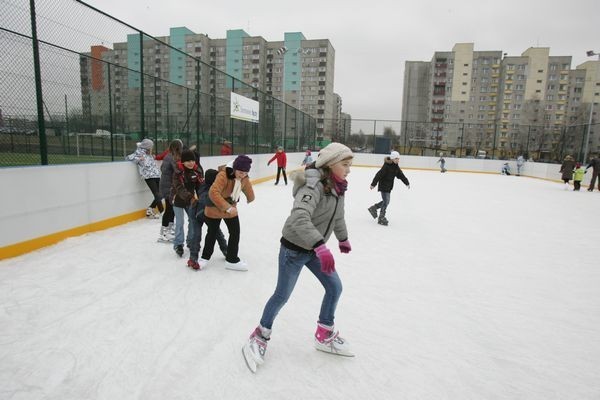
[578, 174]
[219, 193]
[384, 178]
[167, 170]
[146, 164]
[316, 214]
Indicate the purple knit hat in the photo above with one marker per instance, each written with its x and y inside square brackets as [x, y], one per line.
[242, 163]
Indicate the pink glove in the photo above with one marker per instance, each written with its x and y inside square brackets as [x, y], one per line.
[345, 246]
[326, 259]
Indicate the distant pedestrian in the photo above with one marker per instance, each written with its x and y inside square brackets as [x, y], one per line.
[505, 169]
[384, 180]
[226, 149]
[577, 176]
[520, 163]
[281, 158]
[442, 162]
[307, 158]
[595, 164]
[566, 169]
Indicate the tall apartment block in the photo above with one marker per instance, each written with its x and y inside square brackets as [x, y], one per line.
[298, 71]
[466, 101]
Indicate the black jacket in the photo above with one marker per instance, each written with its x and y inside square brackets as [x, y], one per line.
[386, 175]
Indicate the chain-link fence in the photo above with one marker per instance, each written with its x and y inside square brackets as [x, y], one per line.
[78, 85]
[540, 143]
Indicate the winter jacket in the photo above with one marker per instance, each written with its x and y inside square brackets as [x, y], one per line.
[386, 175]
[307, 160]
[316, 214]
[167, 170]
[219, 194]
[595, 164]
[146, 164]
[567, 168]
[281, 159]
[578, 174]
[186, 184]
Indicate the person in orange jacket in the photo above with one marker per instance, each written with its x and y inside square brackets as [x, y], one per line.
[223, 196]
[281, 164]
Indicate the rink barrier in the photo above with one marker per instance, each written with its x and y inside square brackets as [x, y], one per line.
[112, 194]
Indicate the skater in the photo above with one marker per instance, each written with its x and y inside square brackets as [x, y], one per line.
[520, 163]
[577, 176]
[442, 162]
[167, 168]
[505, 169]
[307, 158]
[223, 196]
[149, 171]
[566, 169]
[186, 183]
[318, 211]
[281, 158]
[595, 164]
[384, 179]
[198, 213]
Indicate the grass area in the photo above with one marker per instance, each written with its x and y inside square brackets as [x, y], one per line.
[22, 159]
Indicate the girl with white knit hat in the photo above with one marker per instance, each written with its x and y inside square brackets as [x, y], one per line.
[318, 211]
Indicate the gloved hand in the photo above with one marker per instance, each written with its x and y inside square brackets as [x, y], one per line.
[326, 259]
[345, 246]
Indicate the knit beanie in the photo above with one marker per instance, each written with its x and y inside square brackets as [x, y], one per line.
[187, 155]
[146, 144]
[333, 153]
[394, 155]
[242, 163]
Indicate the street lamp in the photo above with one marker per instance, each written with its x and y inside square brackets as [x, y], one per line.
[590, 53]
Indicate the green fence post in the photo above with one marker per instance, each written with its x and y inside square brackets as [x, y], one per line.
[142, 116]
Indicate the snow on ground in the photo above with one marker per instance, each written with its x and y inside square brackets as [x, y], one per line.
[481, 287]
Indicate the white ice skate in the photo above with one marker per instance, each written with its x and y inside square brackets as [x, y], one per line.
[165, 235]
[328, 340]
[255, 348]
[238, 266]
[151, 214]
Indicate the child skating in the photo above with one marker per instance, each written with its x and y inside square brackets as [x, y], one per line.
[318, 211]
[384, 179]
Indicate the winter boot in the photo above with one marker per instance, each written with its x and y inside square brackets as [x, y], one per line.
[193, 264]
[328, 340]
[255, 348]
[373, 211]
[179, 250]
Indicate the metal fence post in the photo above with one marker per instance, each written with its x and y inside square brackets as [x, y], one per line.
[38, 86]
[142, 116]
[110, 118]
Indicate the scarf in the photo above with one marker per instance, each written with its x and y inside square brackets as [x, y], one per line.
[340, 185]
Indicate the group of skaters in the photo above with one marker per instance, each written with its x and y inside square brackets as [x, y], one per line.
[211, 196]
[570, 169]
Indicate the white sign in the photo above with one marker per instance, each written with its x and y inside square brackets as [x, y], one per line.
[244, 108]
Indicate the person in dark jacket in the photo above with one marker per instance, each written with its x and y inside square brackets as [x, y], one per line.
[186, 183]
[167, 168]
[595, 165]
[195, 240]
[566, 169]
[384, 180]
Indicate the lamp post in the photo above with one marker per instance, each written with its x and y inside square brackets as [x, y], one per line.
[590, 53]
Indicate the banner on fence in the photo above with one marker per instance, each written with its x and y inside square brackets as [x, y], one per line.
[244, 108]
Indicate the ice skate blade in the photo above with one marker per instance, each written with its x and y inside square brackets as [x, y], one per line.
[335, 353]
[250, 363]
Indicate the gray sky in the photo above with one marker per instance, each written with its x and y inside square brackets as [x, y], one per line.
[372, 40]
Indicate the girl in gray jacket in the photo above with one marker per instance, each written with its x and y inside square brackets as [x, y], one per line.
[318, 211]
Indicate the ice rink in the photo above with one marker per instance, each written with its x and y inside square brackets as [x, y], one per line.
[482, 287]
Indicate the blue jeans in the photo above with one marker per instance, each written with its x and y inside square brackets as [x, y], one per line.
[290, 265]
[385, 200]
[179, 222]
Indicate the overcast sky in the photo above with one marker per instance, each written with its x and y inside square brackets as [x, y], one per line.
[373, 39]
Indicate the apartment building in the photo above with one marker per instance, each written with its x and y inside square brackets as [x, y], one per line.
[297, 71]
[487, 100]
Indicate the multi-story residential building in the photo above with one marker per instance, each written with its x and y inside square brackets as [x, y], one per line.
[486, 100]
[584, 108]
[297, 71]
